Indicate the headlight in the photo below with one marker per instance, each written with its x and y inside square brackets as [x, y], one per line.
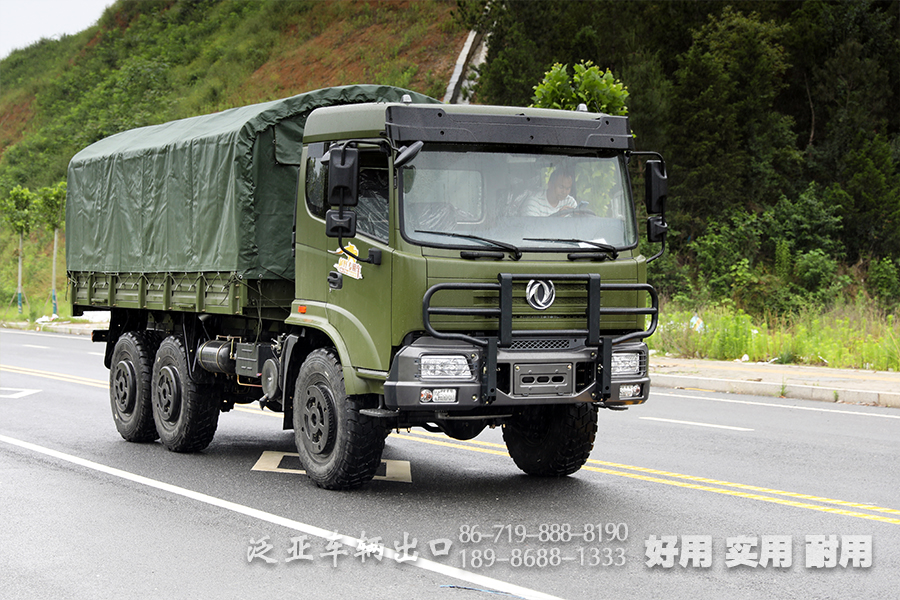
[444, 367]
[626, 363]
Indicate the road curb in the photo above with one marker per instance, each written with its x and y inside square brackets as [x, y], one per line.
[69, 328]
[778, 390]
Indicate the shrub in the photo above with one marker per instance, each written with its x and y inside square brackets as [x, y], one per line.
[815, 270]
[852, 334]
[723, 254]
[883, 281]
[809, 222]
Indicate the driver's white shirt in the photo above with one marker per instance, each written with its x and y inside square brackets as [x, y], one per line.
[537, 206]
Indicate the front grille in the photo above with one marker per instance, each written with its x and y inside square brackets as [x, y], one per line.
[571, 302]
[540, 344]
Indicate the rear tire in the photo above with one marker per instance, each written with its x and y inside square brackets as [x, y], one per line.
[186, 412]
[130, 374]
[339, 448]
[553, 440]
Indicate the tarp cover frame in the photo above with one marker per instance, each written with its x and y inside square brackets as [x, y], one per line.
[213, 193]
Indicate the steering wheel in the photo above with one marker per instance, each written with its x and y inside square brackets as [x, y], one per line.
[583, 210]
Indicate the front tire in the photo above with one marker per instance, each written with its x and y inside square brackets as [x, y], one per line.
[339, 448]
[553, 440]
[129, 386]
[186, 412]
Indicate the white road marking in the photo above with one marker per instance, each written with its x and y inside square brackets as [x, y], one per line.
[43, 334]
[34, 346]
[16, 393]
[695, 423]
[254, 513]
[770, 404]
[394, 470]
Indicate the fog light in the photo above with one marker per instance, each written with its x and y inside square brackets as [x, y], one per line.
[625, 363]
[444, 367]
[444, 395]
[630, 391]
[441, 395]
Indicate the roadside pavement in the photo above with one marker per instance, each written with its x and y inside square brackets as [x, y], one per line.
[76, 328]
[852, 386]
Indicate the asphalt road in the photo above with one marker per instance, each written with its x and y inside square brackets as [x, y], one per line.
[718, 478]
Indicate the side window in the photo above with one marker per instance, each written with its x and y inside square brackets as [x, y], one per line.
[374, 195]
[374, 192]
[316, 179]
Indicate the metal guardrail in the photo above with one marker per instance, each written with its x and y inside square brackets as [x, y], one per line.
[504, 311]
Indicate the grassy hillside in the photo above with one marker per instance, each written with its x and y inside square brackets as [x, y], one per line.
[152, 61]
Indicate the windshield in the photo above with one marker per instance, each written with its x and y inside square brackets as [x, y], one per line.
[484, 199]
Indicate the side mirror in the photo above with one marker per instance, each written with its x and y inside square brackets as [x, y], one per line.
[657, 229]
[656, 233]
[340, 224]
[407, 154]
[657, 187]
[343, 177]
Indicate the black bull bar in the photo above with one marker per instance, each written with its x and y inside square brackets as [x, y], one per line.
[504, 312]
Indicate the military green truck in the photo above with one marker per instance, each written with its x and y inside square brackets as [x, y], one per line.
[363, 259]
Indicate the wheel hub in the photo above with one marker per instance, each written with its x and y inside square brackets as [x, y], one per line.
[124, 391]
[168, 394]
[318, 420]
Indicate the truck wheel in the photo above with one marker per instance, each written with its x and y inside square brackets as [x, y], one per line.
[553, 440]
[186, 412]
[339, 447]
[129, 386]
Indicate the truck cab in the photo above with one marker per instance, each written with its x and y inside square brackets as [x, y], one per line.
[459, 294]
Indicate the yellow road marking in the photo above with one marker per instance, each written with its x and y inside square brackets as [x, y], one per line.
[739, 494]
[487, 448]
[57, 376]
[690, 482]
[403, 436]
[752, 488]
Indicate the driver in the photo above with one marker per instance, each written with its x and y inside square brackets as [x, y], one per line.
[555, 199]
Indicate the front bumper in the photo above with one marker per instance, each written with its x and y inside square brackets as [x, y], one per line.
[552, 371]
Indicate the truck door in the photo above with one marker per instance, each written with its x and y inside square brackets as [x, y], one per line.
[359, 292]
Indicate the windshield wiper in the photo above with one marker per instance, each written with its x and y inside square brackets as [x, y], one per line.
[611, 250]
[516, 253]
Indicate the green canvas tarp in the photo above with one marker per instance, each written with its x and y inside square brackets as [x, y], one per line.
[213, 193]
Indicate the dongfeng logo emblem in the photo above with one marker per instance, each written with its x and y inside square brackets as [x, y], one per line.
[540, 294]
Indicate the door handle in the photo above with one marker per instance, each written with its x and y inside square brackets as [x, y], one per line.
[335, 280]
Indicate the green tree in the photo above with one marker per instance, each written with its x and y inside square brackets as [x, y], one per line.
[734, 149]
[870, 176]
[810, 221]
[50, 209]
[846, 71]
[600, 91]
[845, 98]
[17, 210]
[512, 69]
[725, 253]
